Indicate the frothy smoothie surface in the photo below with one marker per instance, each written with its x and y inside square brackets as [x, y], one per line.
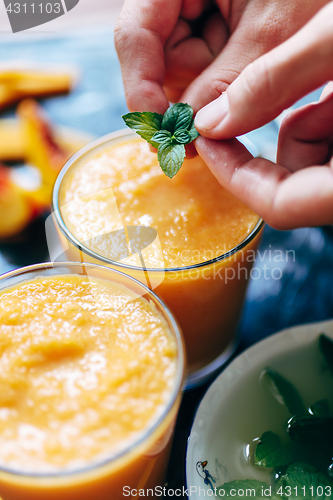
[85, 367]
[195, 218]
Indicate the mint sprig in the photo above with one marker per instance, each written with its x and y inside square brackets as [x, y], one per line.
[167, 133]
[283, 391]
[145, 124]
[301, 461]
[326, 349]
[271, 453]
[302, 480]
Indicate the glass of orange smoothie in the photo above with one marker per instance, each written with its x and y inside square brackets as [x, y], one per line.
[91, 371]
[186, 238]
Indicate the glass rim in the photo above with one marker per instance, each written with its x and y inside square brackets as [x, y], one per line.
[84, 249]
[179, 376]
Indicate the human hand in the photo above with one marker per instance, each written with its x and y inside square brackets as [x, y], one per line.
[165, 57]
[273, 82]
[297, 191]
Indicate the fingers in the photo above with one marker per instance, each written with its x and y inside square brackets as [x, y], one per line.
[192, 9]
[305, 133]
[273, 82]
[283, 199]
[255, 29]
[187, 55]
[158, 53]
[140, 36]
[215, 33]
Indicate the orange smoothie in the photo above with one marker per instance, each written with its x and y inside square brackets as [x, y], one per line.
[119, 184]
[87, 370]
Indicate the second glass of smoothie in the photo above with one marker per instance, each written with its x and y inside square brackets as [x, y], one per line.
[91, 372]
[186, 238]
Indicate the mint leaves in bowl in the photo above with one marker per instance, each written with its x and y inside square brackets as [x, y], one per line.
[264, 428]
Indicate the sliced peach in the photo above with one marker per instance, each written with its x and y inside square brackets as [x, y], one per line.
[11, 141]
[30, 138]
[41, 148]
[15, 209]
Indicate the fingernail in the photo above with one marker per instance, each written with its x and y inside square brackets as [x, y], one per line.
[212, 115]
[327, 92]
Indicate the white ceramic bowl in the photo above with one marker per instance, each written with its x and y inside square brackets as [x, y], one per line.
[230, 411]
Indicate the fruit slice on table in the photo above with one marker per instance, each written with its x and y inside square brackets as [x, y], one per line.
[11, 141]
[40, 145]
[16, 211]
[17, 84]
[32, 140]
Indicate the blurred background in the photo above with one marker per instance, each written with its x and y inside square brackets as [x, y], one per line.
[292, 278]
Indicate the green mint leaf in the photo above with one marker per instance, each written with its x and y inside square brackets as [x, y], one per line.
[320, 408]
[182, 136]
[270, 453]
[177, 117]
[283, 391]
[162, 136]
[249, 487]
[326, 349]
[193, 132]
[313, 438]
[146, 124]
[171, 157]
[311, 430]
[303, 480]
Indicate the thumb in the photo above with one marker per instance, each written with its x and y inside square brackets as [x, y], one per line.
[273, 82]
